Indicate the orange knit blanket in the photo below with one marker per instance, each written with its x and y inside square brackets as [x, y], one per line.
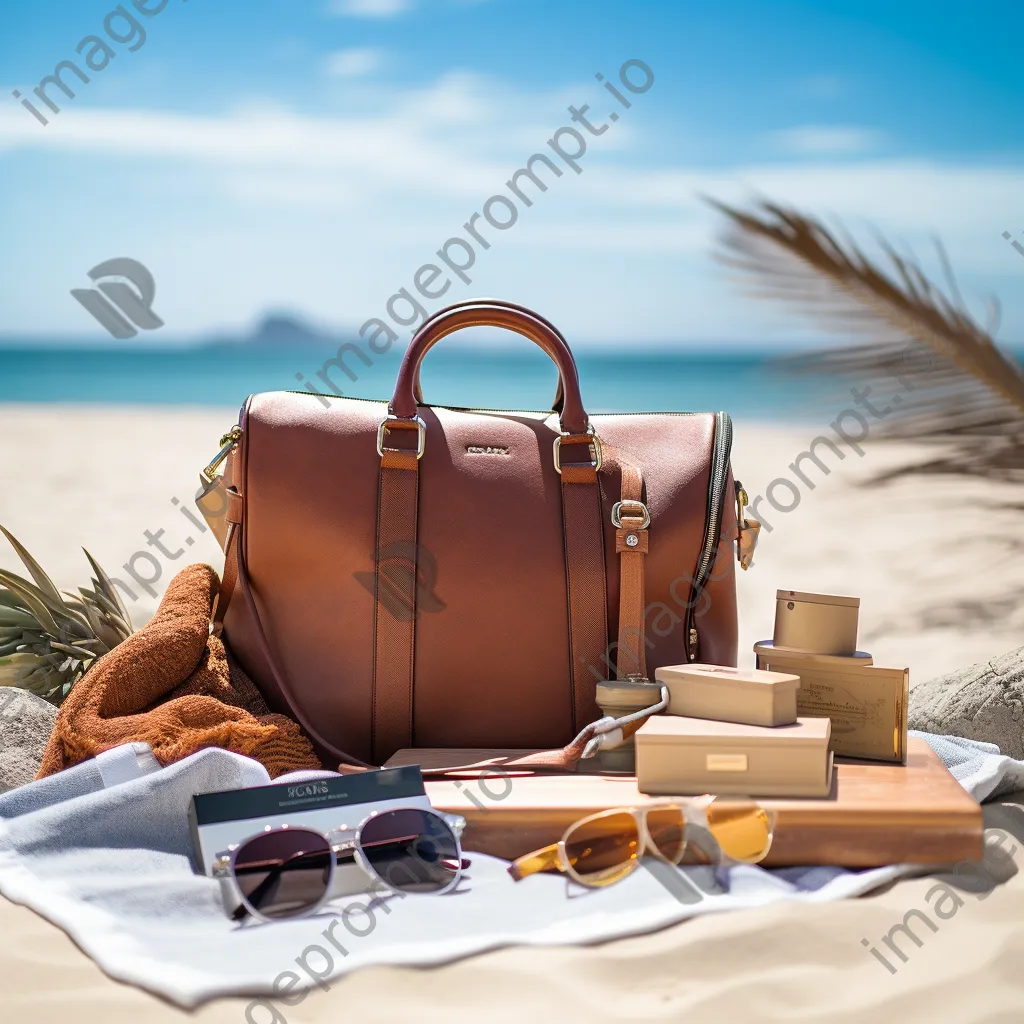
[174, 686]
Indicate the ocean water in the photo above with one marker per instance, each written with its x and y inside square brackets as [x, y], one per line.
[742, 383]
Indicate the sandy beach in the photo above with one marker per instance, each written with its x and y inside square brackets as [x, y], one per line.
[937, 567]
[936, 561]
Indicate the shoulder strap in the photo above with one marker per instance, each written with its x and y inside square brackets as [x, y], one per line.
[235, 567]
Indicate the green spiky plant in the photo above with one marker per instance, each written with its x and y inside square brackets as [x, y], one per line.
[49, 639]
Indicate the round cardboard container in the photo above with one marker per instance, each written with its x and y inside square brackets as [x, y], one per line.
[816, 623]
[764, 649]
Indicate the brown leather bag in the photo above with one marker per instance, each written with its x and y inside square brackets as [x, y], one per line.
[416, 575]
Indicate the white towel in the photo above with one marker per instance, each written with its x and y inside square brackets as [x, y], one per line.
[103, 851]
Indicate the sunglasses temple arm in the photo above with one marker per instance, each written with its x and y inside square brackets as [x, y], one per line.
[229, 898]
[539, 860]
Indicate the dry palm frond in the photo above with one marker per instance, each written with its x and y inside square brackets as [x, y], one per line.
[49, 639]
[957, 390]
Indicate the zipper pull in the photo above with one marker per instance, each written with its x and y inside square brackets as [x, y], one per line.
[231, 436]
[747, 530]
[694, 640]
[227, 442]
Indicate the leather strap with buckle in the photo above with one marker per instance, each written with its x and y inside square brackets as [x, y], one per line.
[631, 519]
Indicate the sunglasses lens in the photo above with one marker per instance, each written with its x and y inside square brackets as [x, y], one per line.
[667, 826]
[284, 873]
[604, 849]
[411, 850]
[742, 829]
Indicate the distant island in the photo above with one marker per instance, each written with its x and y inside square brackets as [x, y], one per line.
[276, 330]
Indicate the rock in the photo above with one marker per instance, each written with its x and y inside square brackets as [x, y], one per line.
[26, 722]
[983, 702]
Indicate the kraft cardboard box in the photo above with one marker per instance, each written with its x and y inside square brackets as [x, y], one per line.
[677, 756]
[867, 704]
[750, 696]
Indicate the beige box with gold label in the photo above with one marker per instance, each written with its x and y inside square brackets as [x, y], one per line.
[685, 756]
[747, 695]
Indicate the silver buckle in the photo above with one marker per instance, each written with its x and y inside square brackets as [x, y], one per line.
[421, 435]
[594, 464]
[617, 513]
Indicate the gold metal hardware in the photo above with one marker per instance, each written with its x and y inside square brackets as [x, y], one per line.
[747, 530]
[694, 641]
[421, 434]
[636, 677]
[227, 442]
[643, 514]
[596, 463]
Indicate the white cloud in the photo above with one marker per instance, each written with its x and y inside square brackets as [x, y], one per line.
[458, 97]
[429, 142]
[369, 8]
[815, 139]
[363, 200]
[382, 8]
[352, 63]
[432, 145]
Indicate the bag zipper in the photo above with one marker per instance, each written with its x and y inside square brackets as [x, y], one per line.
[236, 431]
[464, 408]
[721, 451]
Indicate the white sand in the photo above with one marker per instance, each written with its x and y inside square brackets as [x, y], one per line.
[936, 564]
[935, 561]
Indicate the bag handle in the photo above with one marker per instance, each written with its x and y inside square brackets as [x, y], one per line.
[556, 405]
[484, 313]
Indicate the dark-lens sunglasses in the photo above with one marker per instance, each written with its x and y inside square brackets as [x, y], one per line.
[290, 872]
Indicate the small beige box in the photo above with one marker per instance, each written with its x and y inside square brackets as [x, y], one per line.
[816, 623]
[689, 756]
[744, 695]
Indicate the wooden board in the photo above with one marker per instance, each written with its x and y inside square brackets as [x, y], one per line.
[876, 814]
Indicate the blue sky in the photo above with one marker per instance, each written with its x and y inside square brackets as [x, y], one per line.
[310, 155]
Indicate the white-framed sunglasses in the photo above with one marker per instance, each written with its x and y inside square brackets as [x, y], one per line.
[289, 872]
[605, 847]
